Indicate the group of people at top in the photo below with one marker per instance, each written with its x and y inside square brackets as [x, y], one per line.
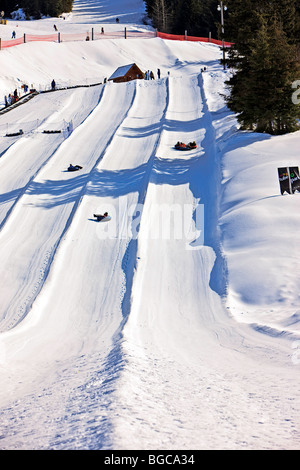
[149, 75]
[11, 98]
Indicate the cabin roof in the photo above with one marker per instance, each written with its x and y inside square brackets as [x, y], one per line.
[121, 71]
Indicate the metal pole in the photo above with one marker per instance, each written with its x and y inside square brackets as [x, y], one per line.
[290, 182]
[222, 24]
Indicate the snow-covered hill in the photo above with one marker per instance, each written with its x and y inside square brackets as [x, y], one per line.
[176, 324]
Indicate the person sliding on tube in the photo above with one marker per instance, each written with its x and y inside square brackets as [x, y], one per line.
[100, 216]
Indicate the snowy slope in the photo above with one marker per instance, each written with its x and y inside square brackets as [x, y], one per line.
[176, 324]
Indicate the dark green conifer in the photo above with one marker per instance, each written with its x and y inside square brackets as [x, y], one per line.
[36, 8]
[197, 17]
[265, 64]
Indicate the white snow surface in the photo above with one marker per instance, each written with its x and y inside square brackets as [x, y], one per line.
[176, 324]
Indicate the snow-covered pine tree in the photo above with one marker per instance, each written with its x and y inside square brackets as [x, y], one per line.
[265, 65]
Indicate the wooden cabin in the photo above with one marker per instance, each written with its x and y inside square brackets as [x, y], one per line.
[127, 73]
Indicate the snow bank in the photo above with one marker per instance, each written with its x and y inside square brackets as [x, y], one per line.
[259, 227]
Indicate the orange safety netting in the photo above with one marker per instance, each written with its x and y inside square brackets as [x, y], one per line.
[110, 35]
[138, 34]
[74, 37]
[47, 37]
[11, 42]
[183, 37]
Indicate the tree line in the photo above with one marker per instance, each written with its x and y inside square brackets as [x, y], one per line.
[36, 8]
[197, 17]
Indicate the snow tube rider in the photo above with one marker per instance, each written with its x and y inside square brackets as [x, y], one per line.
[180, 145]
[192, 145]
[100, 217]
[74, 168]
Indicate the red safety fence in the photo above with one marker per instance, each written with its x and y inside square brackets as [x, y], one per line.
[10, 43]
[93, 35]
[137, 34]
[185, 37]
[33, 37]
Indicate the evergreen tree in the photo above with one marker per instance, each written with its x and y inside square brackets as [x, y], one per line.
[160, 12]
[197, 17]
[297, 28]
[36, 8]
[260, 89]
[244, 18]
[8, 6]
